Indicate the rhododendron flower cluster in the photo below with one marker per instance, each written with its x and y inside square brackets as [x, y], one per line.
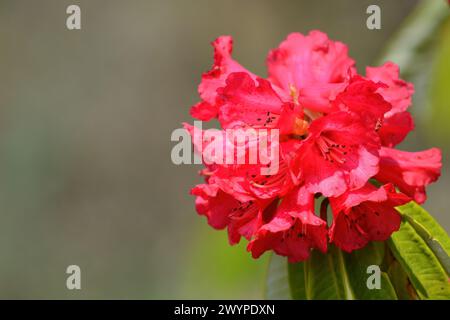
[338, 130]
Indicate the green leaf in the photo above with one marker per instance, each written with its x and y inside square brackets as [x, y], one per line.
[400, 281]
[357, 263]
[421, 216]
[434, 244]
[430, 231]
[420, 264]
[297, 280]
[326, 276]
[277, 280]
[420, 249]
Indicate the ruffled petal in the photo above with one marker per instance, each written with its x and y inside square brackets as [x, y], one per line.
[223, 210]
[341, 153]
[255, 180]
[265, 173]
[398, 92]
[214, 204]
[314, 66]
[361, 99]
[395, 128]
[247, 219]
[204, 111]
[363, 215]
[411, 172]
[397, 122]
[215, 78]
[248, 102]
[293, 231]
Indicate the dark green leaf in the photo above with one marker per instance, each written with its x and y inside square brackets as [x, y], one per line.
[400, 281]
[357, 263]
[277, 285]
[297, 280]
[326, 276]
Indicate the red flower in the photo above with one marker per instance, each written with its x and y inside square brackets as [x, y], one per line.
[251, 180]
[293, 230]
[411, 172]
[361, 99]
[243, 103]
[397, 122]
[335, 131]
[313, 67]
[363, 215]
[223, 210]
[339, 154]
[214, 204]
[215, 78]
[247, 181]
[397, 91]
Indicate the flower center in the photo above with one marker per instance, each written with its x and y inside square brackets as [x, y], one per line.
[300, 127]
[293, 93]
[271, 181]
[331, 151]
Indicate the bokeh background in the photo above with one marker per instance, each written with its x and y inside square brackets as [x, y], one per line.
[86, 117]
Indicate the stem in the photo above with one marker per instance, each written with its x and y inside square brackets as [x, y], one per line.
[324, 209]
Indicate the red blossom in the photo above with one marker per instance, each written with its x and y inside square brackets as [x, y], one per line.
[336, 131]
[313, 66]
[215, 78]
[246, 102]
[360, 98]
[397, 122]
[363, 215]
[339, 154]
[293, 230]
[411, 172]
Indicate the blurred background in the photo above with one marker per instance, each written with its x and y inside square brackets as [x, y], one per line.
[86, 117]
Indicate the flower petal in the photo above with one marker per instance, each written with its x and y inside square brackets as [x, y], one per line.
[294, 229]
[398, 92]
[341, 153]
[315, 66]
[395, 128]
[411, 172]
[248, 102]
[360, 98]
[215, 78]
[363, 215]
